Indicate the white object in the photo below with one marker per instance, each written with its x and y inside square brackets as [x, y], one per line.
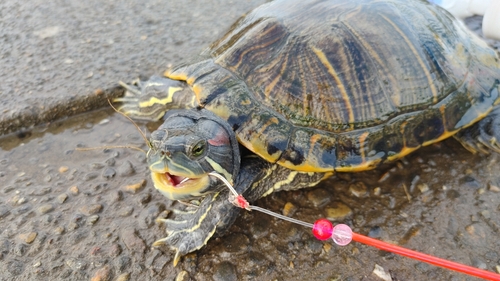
[458, 8]
[479, 7]
[466, 8]
[491, 20]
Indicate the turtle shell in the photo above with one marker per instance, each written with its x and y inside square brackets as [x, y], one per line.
[343, 85]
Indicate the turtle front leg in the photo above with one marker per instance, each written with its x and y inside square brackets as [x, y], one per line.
[150, 100]
[190, 231]
[483, 136]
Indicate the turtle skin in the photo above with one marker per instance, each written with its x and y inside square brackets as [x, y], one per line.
[308, 89]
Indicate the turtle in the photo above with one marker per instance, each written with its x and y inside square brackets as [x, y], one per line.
[299, 90]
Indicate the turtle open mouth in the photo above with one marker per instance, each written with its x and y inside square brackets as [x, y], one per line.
[178, 187]
[175, 180]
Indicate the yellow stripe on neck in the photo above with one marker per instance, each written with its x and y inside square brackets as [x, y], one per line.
[168, 99]
[219, 169]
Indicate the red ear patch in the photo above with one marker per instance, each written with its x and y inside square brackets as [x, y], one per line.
[220, 139]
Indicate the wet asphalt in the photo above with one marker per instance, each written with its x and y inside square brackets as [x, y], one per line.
[90, 215]
[60, 58]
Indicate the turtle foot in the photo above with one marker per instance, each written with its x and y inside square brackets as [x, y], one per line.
[484, 136]
[190, 231]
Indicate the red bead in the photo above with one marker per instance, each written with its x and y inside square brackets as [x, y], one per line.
[322, 229]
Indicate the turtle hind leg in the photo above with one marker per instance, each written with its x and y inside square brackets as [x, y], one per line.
[484, 136]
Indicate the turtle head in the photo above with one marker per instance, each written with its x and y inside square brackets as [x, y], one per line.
[186, 147]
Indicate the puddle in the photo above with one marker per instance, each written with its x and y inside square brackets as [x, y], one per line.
[68, 214]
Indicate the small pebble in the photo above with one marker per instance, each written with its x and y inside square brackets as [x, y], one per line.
[375, 232]
[14, 200]
[182, 276]
[160, 263]
[289, 209]
[8, 188]
[63, 169]
[498, 268]
[339, 211]
[116, 195]
[115, 250]
[92, 219]
[327, 247]
[318, 197]
[76, 264]
[91, 209]
[20, 249]
[423, 187]
[126, 169]
[494, 188]
[37, 264]
[236, 243]
[62, 198]
[108, 173]
[123, 277]
[96, 166]
[470, 229]
[126, 211]
[377, 191]
[225, 271]
[144, 199]
[47, 178]
[72, 226]
[486, 214]
[123, 262]
[380, 273]
[90, 176]
[358, 189]
[46, 208]
[42, 191]
[21, 210]
[27, 238]
[384, 177]
[136, 187]
[110, 162]
[99, 92]
[479, 264]
[4, 211]
[102, 274]
[74, 190]
[59, 230]
[132, 241]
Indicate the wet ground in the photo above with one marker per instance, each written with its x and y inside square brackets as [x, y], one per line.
[64, 57]
[75, 215]
[68, 214]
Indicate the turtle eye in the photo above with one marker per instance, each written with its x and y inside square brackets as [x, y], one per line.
[198, 149]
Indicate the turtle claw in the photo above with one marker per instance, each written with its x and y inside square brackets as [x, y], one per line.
[159, 242]
[188, 232]
[484, 135]
[185, 240]
[139, 99]
[178, 253]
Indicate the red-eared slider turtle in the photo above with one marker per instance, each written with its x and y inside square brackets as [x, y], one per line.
[298, 90]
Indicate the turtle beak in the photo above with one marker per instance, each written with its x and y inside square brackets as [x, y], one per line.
[174, 180]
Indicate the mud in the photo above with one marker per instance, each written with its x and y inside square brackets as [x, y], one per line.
[75, 215]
